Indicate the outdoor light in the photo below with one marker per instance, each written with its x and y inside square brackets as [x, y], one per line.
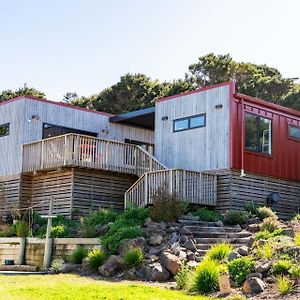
[165, 118]
[34, 118]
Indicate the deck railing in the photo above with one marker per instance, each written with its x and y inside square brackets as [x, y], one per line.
[89, 152]
[194, 187]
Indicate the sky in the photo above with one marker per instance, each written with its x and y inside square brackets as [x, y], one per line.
[84, 46]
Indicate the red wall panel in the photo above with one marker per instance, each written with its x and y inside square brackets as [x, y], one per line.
[285, 159]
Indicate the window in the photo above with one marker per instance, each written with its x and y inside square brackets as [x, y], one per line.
[189, 123]
[50, 130]
[258, 134]
[4, 130]
[294, 132]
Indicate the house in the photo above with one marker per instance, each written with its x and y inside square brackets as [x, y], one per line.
[212, 146]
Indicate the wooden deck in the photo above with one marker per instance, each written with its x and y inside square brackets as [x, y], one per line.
[75, 150]
[193, 187]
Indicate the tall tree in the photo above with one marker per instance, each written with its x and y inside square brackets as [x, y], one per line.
[23, 91]
[255, 80]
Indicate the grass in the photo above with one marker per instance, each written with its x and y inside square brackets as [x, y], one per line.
[67, 287]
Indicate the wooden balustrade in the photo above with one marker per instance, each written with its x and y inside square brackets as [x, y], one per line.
[194, 187]
[88, 152]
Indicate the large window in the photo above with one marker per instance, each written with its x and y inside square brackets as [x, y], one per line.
[189, 123]
[50, 130]
[4, 130]
[258, 134]
[294, 132]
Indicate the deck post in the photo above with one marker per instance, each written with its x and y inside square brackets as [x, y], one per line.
[42, 155]
[170, 181]
[184, 185]
[146, 189]
[66, 150]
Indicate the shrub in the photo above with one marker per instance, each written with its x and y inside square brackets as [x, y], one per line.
[22, 229]
[284, 285]
[295, 271]
[296, 218]
[239, 268]
[207, 215]
[206, 276]
[134, 257]
[270, 224]
[281, 266]
[219, 252]
[78, 255]
[252, 208]
[96, 258]
[57, 265]
[297, 239]
[265, 251]
[117, 233]
[7, 230]
[166, 207]
[88, 224]
[235, 217]
[59, 231]
[183, 278]
[265, 234]
[137, 216]
[265, 212]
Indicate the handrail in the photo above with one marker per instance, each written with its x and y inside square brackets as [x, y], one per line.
[192, 186]
[90, 152]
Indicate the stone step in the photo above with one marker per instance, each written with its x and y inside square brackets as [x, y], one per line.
[207, 246]
[212, 228]
[231, 235]
[197, 222]
[221, 240]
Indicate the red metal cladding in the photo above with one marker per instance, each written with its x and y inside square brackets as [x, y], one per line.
[285, 159]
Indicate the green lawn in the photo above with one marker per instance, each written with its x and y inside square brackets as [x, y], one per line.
[74, 287]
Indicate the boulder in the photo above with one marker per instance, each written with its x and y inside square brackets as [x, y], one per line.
[243, 250]
[174, 238]
[101, 229]
[190, 256]
[253, 228]
[219, 223]
[263, 266]
[289, 232]
[233, 255]
[172, 229]
[155, 240]
[258, 275]
[70, 268]
[130, 274]
[182, 255]
[110, 268]
[251, 242]
[185, 231]
[254, 285]
[171, 262]
[192, 264]
[155, 272]
[153, 258]
[190, 245]
[133, 243]
[183, 239]
[148, 222]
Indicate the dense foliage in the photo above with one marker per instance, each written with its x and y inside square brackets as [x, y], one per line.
[207, 215]
[236, 217]
[24, 91]
[78, 255]
[134, 257]
[240, 268]
[96, 258]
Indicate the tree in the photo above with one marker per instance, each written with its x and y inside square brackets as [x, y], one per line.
[24, 91]
[258, 81]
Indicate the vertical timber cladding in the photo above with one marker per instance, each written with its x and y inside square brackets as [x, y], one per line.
[45, 185]
[94, 189]
[235, 191]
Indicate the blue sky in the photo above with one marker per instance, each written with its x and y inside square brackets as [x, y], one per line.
[86, 45]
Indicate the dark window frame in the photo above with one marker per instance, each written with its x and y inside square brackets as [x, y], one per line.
[258, 129]
[7, 126]
[189, 122]
[291, 136]
[72, 130]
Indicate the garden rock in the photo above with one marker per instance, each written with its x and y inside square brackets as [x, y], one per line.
[156, 240]
[190, 245]
[192, 264]
[254, 285]
[253, 228]
[172, 229]
[133, 243]
[190, 256]
[263, 266]
[183, 239]
[114, 264]
[171, 262]
[258, 275]
[185, 231]
[130, 274]
[219, 223]
[148, 222]
[101, 229]
[244, 251]
[251, 242]
[182, 255]
[288, 232]
[174, 238]
[70, 268]
[155, 272]
[233, 255]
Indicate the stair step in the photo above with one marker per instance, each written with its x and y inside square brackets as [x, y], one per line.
[231, 235]
[208, 246]
[196, 222]
[212, 228]
[220, 240]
